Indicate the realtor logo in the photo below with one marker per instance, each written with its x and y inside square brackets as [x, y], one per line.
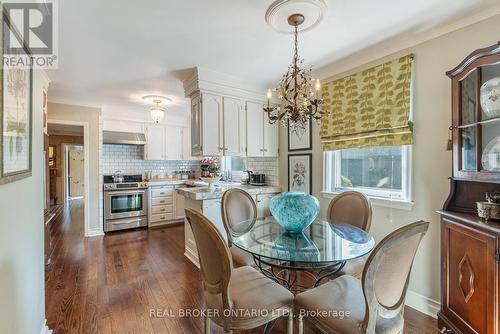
[29, 35]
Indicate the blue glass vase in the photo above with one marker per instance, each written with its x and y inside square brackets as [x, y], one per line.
[295, 211]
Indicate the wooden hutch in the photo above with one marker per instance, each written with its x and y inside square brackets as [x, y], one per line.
[470, 255]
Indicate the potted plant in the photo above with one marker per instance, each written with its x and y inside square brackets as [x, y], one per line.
[210, 171]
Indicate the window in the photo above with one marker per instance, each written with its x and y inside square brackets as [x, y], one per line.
[380, 172]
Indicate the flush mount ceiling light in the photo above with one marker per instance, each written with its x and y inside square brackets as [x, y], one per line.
[157, 110]
[299, 95]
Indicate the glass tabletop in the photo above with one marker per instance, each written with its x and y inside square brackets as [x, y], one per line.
[323, 241]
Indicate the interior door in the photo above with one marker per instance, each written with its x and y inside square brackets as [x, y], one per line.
[76, 173]
[254, 129]
[212, 125]
[155, 142]
[234, 133]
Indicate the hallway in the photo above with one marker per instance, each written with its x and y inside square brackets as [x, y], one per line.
[110, 284]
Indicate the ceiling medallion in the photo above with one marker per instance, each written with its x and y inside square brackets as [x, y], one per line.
[157, 110]
[279, 11]
[300, 96]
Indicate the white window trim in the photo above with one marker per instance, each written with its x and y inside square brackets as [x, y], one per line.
[377, 197]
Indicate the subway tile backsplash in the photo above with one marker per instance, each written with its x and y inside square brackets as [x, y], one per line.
[129, 159]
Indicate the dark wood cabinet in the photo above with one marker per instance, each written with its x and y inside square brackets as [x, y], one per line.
[470, 256]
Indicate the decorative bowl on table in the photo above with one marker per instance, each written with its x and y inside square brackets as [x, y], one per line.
[294, 211]
[212, 180]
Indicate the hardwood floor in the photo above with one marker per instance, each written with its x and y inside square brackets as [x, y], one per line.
[113, 284]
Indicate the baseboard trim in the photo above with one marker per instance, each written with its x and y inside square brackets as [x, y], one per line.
[45, 329]
[422, 304]
[95, 233]
[191, 257]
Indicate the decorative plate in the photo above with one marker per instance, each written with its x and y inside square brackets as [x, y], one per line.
[490, 97]
[491, 156]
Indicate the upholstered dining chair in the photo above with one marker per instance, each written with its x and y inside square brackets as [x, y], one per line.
[236, 206]
[376, 302]
[354, 208]
[235, 299]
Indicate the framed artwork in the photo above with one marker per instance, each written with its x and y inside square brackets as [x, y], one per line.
[300, 139]
[299, 172]
[16, 116]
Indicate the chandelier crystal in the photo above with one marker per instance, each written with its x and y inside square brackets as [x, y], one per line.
[299, 94]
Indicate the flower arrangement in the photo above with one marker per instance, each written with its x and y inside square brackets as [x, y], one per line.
[210, 167]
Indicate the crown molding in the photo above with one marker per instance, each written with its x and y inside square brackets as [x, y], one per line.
[209, 81]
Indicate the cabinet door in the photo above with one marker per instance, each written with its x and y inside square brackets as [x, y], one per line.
[173, 141]
[186, 144]
[212, 136]
[211, 210]
[196, 120]
[179, 205]
[155, 142]
[271, 139]
[254, 129]
[234, 129]
[469, 270]
[262, 202]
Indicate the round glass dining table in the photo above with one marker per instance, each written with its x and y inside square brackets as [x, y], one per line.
[320, 251]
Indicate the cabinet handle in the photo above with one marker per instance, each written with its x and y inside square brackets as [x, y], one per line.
[162, 201]
[162, 210]
[221, 148]
[162, 217]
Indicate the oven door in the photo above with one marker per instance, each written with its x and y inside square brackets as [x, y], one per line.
[125, 203]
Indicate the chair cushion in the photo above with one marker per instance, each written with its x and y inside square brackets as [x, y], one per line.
[343, 294]
[250, 289]
[240, 257]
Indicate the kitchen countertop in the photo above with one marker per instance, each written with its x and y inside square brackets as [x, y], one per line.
[204, 193]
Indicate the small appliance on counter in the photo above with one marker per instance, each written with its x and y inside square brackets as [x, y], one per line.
[257, 179]
[125, 202]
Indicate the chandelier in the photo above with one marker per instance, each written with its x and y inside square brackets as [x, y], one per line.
[299, 95]
[157, 110]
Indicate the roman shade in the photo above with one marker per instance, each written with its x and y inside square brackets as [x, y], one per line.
[369, 108]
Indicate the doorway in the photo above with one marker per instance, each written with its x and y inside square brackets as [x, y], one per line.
[75, 172]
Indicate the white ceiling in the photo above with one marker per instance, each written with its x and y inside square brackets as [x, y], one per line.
[112, 52]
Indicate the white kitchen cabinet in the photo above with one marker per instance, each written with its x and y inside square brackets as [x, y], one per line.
[234, 127]
[166, 142]
[255, 134]
[262, 137]
[173, 143]
[262, 202]
[212, 127]
[179, 204]
[271, 138]
[218, 126]
[196, 128]
[155, 142]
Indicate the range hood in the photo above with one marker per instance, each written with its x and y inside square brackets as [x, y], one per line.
[123, 138]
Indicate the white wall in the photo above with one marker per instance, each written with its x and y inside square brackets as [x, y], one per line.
[92, 116]
[431, 162]
[22, 300]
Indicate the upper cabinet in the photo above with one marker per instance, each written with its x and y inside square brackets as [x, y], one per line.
[167, 142]
[476, 116]
[227, 118]
[218, 126]
[262, 137]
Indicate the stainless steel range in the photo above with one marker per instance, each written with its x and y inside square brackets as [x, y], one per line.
[125, 203]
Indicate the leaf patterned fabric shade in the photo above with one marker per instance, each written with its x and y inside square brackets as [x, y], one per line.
[369, 108]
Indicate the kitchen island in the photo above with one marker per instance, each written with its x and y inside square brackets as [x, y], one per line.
[208, 201]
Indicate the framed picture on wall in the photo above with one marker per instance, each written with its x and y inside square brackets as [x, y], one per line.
[300, 173]
[300, 139]
[16, 116]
